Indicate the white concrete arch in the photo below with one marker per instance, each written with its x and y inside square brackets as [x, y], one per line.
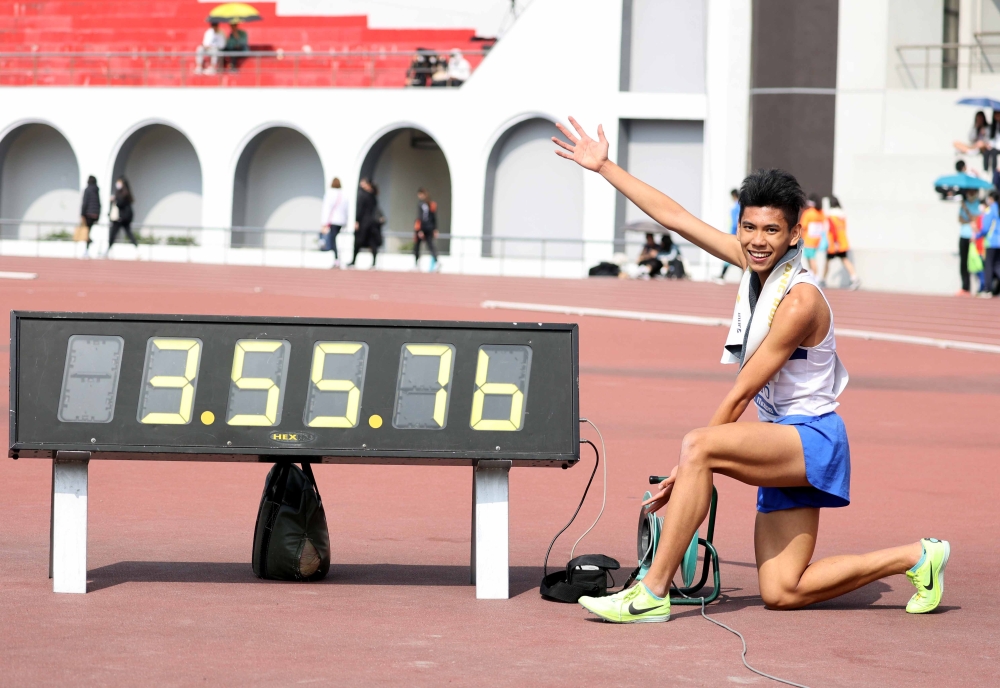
[531, 193]
[278, 184]
[512, 122]
[401, 158]
[164, 172]
[39, 180]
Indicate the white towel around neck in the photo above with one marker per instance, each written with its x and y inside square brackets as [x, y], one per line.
[750, 326]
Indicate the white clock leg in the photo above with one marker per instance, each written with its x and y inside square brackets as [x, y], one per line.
[491, 570]
[68, 555]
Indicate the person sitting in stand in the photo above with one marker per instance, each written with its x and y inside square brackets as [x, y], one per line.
[648, 257]
[459, 69]
[211, 45]
[237, 42]
[439, 75]
[670, 256]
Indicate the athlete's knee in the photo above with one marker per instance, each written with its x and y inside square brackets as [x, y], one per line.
[694, 450]
[781, 598]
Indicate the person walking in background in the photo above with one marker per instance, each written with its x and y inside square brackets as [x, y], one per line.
[837, 246]
[90, 209]
[333, 218]
[734, 225]
[978, 246]
[967, 216]
[120, 213]
[368, 222]
[990, 232]
[425, 229]
[814, 228]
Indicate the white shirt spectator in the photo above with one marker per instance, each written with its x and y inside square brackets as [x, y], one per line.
[213, 40]
[334, 208]
[459, 68]
[212, 43]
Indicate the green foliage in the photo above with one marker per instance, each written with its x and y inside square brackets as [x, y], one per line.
[61, 235]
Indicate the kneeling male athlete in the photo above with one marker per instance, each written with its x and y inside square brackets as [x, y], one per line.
[799, 456]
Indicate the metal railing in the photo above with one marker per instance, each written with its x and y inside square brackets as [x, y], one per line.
[938, 65]
[372, 69]
[490, 255]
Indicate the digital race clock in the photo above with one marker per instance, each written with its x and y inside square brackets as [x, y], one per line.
[250, 388]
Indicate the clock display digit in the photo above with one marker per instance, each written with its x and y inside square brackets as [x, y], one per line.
[90, 379]
[501, 392]
[169, 378]
[423, 386]
[257, 390]
[336, 381]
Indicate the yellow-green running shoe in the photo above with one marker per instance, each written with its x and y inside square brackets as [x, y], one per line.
[928, 576]
[635, 605]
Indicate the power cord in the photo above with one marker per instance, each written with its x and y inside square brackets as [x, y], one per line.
[604, 498]
[597, 455]
[739, 635]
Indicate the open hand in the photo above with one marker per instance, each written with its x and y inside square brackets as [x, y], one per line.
[582, 149]
[660, 499]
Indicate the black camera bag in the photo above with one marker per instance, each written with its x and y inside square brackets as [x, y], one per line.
[291, 540]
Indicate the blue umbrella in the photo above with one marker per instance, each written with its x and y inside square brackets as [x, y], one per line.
[961, 181]
[981, 102]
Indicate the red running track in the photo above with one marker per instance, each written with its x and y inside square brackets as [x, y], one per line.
[173, 600]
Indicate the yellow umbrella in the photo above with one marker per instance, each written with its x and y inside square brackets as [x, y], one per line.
[233, 12]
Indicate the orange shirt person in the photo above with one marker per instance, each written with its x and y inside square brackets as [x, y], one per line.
[814, 226]
[837, 246]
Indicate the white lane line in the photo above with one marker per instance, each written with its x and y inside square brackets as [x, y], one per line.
[724, 322]
[18, 275]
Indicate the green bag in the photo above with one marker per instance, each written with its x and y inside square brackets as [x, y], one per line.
[974, 261]
[291, 540]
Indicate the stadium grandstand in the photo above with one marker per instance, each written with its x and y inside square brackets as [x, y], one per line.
[230, 165]
[120, 43]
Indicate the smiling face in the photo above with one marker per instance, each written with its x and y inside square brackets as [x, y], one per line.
[765, 237]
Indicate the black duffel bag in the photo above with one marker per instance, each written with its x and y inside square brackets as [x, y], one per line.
[585, 575]
[291, 540]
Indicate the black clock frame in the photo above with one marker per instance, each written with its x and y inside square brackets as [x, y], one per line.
[549, 438]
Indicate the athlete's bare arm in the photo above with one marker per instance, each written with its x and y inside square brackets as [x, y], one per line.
[802, 319]
[593, 155]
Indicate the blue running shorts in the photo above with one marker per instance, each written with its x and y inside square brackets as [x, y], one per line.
[828, 467]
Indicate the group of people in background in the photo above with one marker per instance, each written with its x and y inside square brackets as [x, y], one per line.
[824, 235]
[979, 244]
[369, 220]
[983, 139]
[427, 68]
[120, 213]
[214, 44]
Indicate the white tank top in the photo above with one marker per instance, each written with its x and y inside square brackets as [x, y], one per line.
[808, 384]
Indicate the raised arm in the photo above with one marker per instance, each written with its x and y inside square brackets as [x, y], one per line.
[593, 155]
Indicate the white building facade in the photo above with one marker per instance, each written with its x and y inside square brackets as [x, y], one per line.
[672, 81]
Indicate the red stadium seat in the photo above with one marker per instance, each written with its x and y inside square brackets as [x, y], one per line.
[34, 30]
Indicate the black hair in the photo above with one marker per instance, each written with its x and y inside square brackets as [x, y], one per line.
[734, 193]
[773, 189]
[127, 196]
[994, 195]
[993, 124]
[91, 180]
[960, 165]
[834, 203]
